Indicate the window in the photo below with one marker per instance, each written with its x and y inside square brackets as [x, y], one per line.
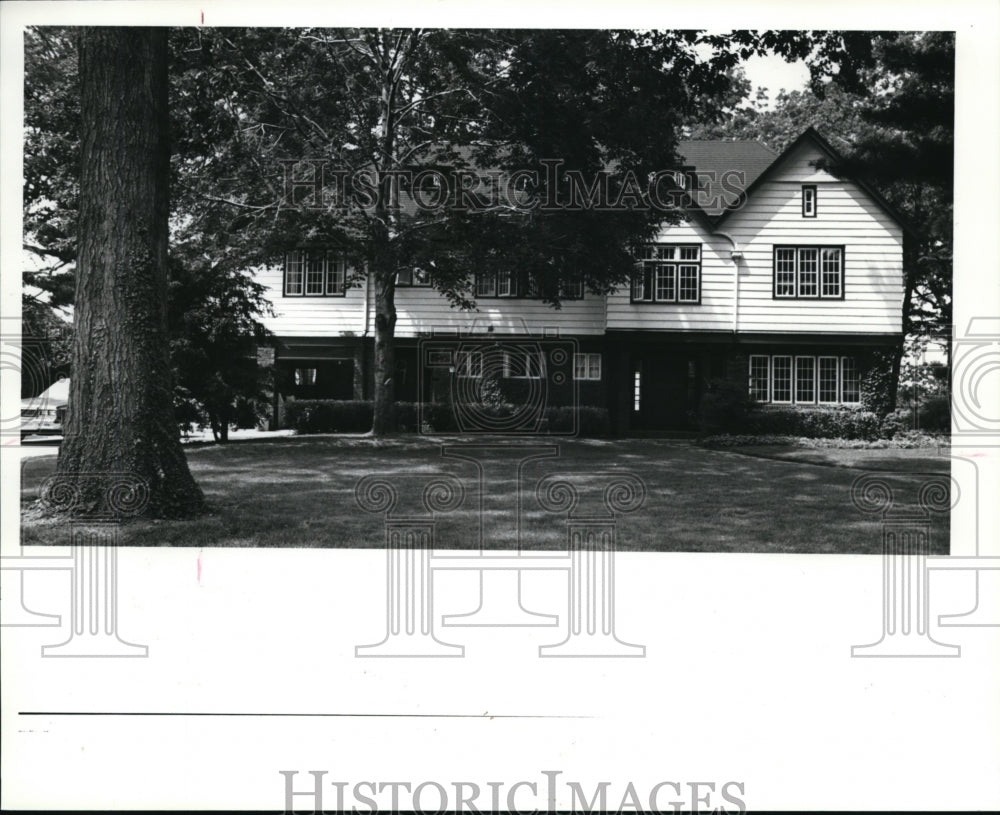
[809, 272]
[520, 285]
[486, 284]
[828, 380]
[572, 290]
[636, 390]
[668, 274]
[808, 200]
[850, 382]
[781, 379]
[587, 366]
[470, 364]
[804, 380]
[760, 369]
[315, 273]
[522, 365]
[305, 376]
[831, 269]
[413, 277]
[506, 284]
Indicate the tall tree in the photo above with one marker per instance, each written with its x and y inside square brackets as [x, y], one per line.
[374, 105]
[120, 413]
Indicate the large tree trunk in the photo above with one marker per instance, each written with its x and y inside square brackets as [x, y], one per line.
[120, 417]
[384, 418]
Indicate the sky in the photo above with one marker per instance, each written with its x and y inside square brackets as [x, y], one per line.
[774, 73]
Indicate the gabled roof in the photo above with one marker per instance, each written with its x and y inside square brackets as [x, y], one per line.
[751, 158]
[811, 135]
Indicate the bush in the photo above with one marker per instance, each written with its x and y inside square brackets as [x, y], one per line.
[589, 421]
[725, 407]
[334, 416]
[934, 414]
[816, 423]
[328, 416]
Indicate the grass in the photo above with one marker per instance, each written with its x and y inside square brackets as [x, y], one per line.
[299, 492]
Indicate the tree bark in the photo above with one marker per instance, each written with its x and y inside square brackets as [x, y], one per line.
[120, 417]
[383, 418]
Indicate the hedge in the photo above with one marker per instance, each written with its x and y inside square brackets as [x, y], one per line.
[815, 423]
[337, 416]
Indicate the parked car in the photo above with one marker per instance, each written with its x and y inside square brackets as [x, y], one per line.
[44, 414]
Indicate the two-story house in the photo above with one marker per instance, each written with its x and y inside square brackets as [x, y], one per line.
[788, 287]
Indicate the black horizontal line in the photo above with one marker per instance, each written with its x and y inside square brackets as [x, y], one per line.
[299, 715]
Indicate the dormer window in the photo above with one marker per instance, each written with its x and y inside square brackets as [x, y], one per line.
[808, 200]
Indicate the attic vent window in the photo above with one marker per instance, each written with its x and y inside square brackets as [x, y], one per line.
[808, 200]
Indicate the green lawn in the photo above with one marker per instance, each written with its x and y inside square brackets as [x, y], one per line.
[299, 492]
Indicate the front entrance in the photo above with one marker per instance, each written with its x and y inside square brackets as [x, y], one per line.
[664, 390]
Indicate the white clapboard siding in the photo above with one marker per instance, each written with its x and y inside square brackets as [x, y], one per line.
[312, 316]
[420, 311]
[715, 313]
[846, 216]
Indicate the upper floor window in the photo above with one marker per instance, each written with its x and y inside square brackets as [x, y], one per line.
[809, 272]
[413, 277]
[315, 273]
[511, 284]
[808, 200]
[668, 274]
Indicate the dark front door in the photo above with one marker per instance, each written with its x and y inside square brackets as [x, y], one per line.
[662, 390]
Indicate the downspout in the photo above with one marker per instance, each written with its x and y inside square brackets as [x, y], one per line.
[735, 254]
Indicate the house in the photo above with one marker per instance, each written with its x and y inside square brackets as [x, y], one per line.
[792, 287]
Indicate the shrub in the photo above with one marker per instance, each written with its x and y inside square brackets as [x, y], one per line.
[934, 414]
[816, 423]
[328, 416]
[589, 421]
[725, 407]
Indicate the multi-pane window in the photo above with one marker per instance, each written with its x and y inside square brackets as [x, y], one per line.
[521, 285]
[315, 273]
[668, 274]
[850, 382]
[808, 200]
[305, 376]
[809, 271]
[781, 379]
[413, 277]
[470, 364]
[832, 272]
[760, 378]
[522, 364]
[804, 380]
[506, 284]
[486, 284]
[572, 290]
[828, 380]
[587, 366]
[636, 390]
